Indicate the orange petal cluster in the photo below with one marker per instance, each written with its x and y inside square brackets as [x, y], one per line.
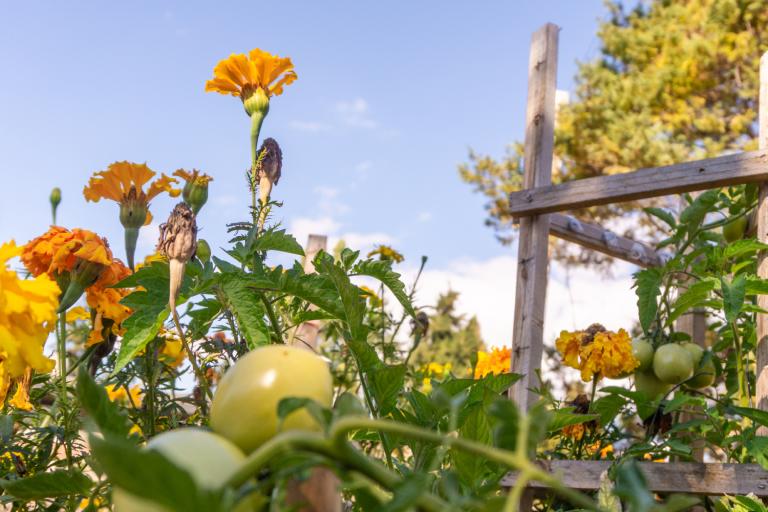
[240, 74]
[58, 249]
[497, 361]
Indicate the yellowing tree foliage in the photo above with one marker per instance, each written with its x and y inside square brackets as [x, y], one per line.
[674, 81]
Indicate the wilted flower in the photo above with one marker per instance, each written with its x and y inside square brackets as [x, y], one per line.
[386, 253]
[178, 240]
[124, 182]
[498, 361]
[195, 191]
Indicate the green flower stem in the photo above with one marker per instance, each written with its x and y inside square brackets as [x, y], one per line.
[131, 237]
[257, 118]
[517, 460]
[744, 395]
[150, 354]
[272, 318]
[61, 350]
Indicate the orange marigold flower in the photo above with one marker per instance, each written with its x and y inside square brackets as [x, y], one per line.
[59, 249]
[385, 252]
[194, 176]
[242, 75]
[575, 432]
[597, 352]
[498, 361]
[123, 182]
[569, 344]
[105, 301]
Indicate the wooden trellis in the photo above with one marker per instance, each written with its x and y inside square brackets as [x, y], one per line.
[536, 207]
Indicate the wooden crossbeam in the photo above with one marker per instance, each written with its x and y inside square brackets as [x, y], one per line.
[688, 477]
[734, 169]
[602, 240]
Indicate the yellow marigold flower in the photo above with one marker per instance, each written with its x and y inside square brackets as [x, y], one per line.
[193, 176]
[20, 398]
[241, 75]
[384, 252]
[373, 297]
[27, 315]
[431, 371]
[78, 313]
[195, 191]
[498, 361]
[123, 182]
[172, 353]
[118, 394]
[569, 344]
[608, 355]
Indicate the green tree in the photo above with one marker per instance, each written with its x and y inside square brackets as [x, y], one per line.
[450, 338]
[675, 80]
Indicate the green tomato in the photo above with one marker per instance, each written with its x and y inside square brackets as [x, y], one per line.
[735, 229]
[695, 351]
[648, 384]
[672, 363]
[244, 407]
[643, 351]
[704, 373]
[209, 458]
[203, 251]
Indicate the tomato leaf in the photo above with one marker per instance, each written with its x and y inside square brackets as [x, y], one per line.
[382, 270]
[275, 241]
[696, 294]
[647, 284]
[663, 215]
[386, 385]
[733, 296]
[246, 305]
[48, 485]
[758, 448]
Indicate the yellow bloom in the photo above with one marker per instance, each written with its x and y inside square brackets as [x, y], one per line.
[27, 315]
[20, 398]
[609, 355]
[118, 394]
[384, 252]
[241, 75]
[597, 352]
[124, 182]
[77, 313]
[575, 432]
[433, 370]
[498, 361]
[569, 344]
[373, 298]
[172, 353]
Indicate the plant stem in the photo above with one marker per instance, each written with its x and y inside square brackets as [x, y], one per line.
[256, 121]
[149, 363]
[61, 350]
[743, 396]
[193, 361]
[272, 318]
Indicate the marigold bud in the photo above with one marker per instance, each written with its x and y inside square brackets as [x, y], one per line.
[195, 194]
[255, 101]
[83, 275]
[55, 199]
[203, 251]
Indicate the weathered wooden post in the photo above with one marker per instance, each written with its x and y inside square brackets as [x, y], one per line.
[762, 235]
[320, 491]
[533, 241]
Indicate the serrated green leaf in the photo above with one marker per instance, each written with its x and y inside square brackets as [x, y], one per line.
[755, 415]
[247, 307]
[647, 289]
[140, 329]
[693, 215]
[564, 417]
[276, 241]
[386, 385]
[743, 247]
[694, 296]
[608, 406]
[477, 428]
[110, 418]
[382, 270]
[52, 484]
[203, 315]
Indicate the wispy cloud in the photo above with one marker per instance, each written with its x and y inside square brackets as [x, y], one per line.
[364, 166]
[424, 216]
[309, 126]
[328, 201]
[356, 114]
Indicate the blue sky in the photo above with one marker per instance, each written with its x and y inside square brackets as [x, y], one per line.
[390, 96]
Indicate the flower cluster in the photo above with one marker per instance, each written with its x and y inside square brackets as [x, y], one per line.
[105, 302]
[497, 361]
[597, 352]
[58, 250]
[27, 315]
[434, 370]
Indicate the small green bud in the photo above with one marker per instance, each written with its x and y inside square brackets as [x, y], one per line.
[133, 213]
[55, 199]
[203, 251]
[195, 194]
[83, 275]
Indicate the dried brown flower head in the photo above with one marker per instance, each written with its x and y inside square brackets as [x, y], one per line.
[272, 162]
[178, 236]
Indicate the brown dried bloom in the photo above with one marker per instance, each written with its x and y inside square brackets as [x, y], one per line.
[268, 173]
[178, 240]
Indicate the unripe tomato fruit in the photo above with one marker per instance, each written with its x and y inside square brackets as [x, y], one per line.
[244, 407]
[704, 372]
[647, 383]
[735, 229]
[695, 351]
[209, 458]
[643, 351]
[672, 363]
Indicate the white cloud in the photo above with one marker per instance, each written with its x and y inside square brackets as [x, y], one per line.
[363, 242]
[355, 113]
[309, 126]
[364, 166]
[328, 201]
[302, 227]
[424, 216]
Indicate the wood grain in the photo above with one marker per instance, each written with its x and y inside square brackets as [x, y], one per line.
[688, 477]
[762, 261]
[602, 240]
[734, 169]
[532, 253]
